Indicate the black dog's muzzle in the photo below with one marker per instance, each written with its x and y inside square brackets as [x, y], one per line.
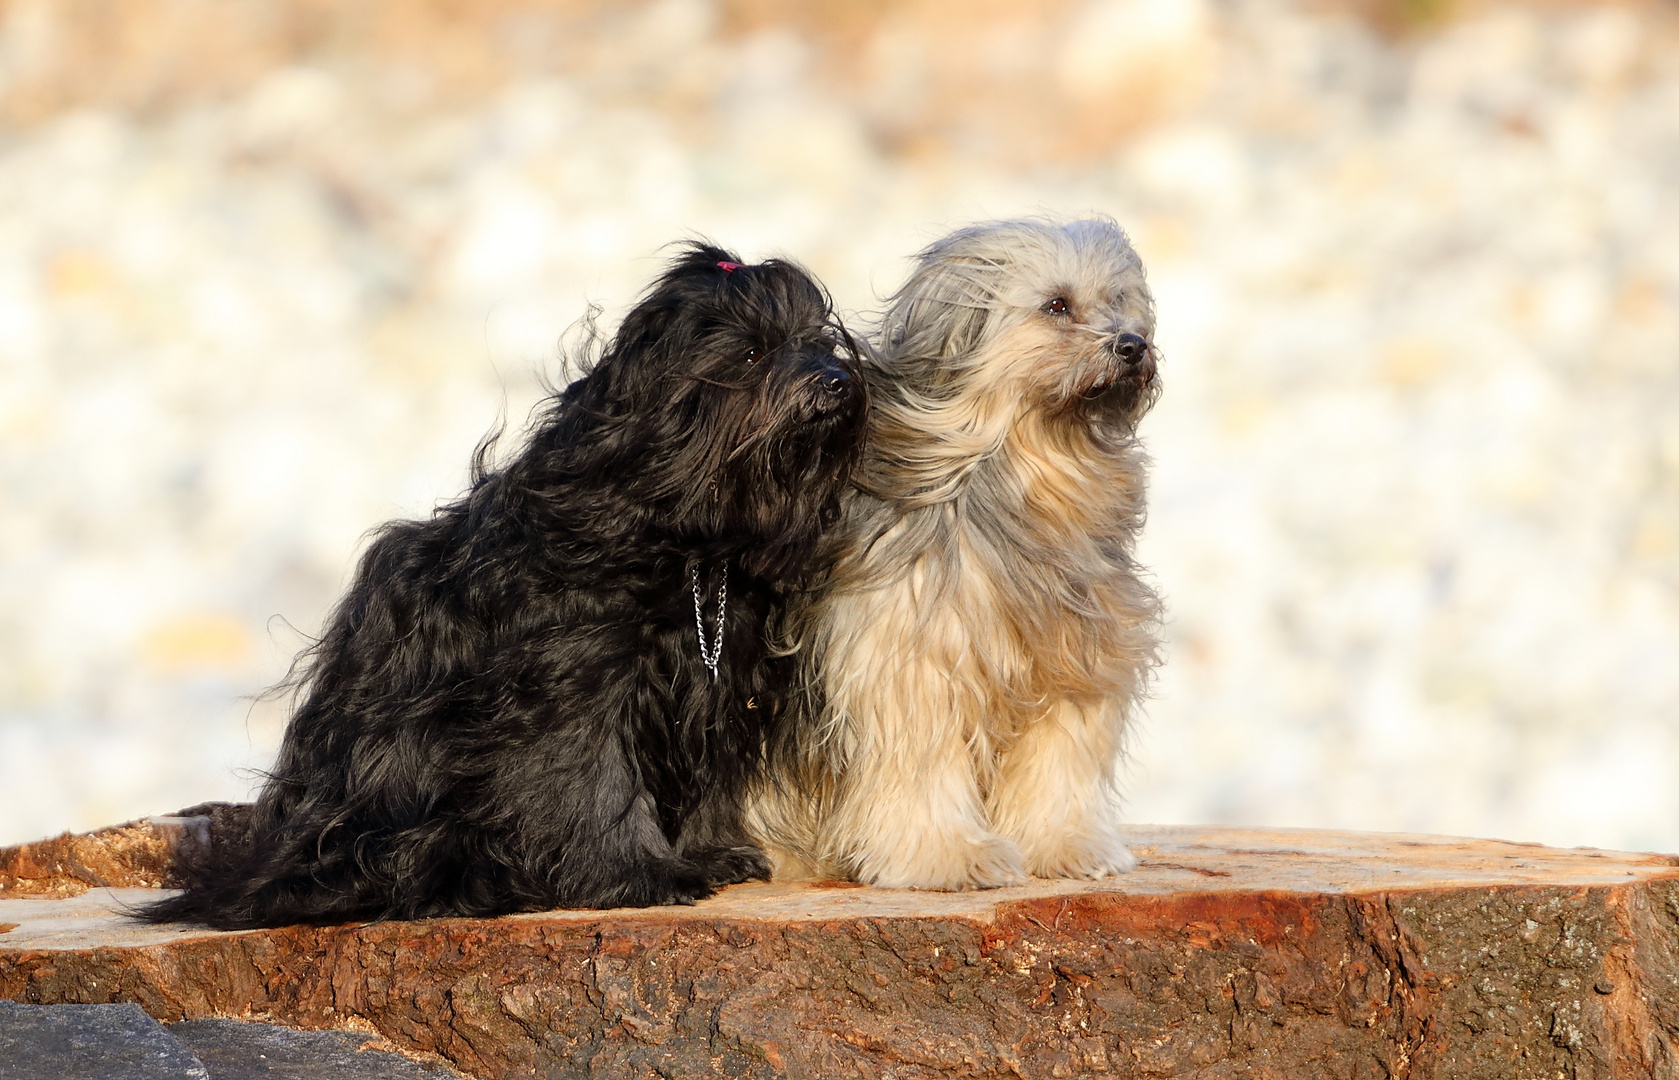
[830, 386]
[834, 381]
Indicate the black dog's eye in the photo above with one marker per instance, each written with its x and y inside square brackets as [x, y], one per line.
[1058, 306]
[754, 354]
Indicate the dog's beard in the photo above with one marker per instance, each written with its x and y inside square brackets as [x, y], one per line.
[754, 470]
[1116, 395]
[784, 482]
[1074, 377]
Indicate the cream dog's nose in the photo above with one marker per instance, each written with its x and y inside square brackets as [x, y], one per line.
[1130, 348]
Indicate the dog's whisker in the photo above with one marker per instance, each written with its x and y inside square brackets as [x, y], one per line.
[718, 383]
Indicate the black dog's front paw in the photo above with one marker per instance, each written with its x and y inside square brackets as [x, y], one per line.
[683, 884]
[731, 865]
[658, 883]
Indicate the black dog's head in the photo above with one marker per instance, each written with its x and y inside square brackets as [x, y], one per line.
[726, 412]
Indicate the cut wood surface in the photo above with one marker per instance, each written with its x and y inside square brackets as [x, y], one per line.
[1228, 953]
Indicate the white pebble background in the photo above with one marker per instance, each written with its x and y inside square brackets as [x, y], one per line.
[1415, 506]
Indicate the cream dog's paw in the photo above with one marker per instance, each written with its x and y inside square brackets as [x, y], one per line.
[1087, 856]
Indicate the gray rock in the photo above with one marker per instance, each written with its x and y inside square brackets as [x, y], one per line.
[91, 1042]
[241, 1050]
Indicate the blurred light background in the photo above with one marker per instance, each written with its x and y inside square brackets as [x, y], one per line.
[269, 268]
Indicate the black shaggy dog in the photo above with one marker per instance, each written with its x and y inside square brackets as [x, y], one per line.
[555, 692]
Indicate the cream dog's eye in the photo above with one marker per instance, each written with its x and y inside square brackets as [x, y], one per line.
[754, 354]
[1058, 306]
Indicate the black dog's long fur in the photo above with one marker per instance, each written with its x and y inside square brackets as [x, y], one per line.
[508, 710]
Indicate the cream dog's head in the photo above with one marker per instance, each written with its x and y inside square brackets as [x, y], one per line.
[1026, 344]
[1029, 314]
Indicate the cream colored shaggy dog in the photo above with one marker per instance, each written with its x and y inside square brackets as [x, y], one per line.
[986, 633]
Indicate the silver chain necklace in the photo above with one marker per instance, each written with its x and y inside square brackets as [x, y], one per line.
[710, 654]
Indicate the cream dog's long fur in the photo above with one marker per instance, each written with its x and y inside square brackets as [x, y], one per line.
[985, 633]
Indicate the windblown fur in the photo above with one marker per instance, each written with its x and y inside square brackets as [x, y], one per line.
[509, 710]
[985, 632]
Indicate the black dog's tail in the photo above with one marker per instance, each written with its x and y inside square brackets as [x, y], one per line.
[238, 896]
[233, 875]
[213, 859]
[221, 900]
[206, 903]
[211, 840]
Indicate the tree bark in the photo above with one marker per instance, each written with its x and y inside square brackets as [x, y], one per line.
[1228, 953]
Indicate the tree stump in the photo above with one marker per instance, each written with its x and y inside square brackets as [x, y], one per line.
[1228, 953]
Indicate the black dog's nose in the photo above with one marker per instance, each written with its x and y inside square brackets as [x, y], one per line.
[833, 389]
[1130, 348]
